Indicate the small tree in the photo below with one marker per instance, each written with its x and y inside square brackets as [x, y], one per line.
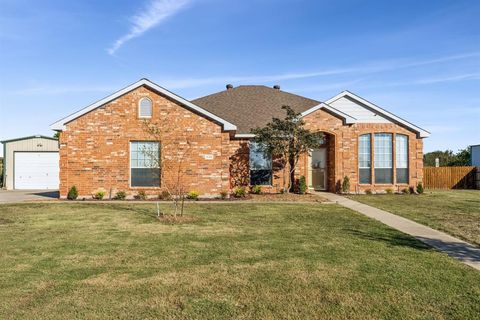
[172, 169]
[286, 139]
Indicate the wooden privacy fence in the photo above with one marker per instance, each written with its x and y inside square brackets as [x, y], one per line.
[449, 177]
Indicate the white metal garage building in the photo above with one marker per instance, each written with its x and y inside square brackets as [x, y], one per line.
[31, 163]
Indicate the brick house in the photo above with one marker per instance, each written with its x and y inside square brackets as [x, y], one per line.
[111, 145]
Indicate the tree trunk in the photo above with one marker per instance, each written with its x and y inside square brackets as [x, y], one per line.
[291, 165]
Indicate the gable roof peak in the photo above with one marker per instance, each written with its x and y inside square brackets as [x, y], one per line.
[422, 133]
[60, 125]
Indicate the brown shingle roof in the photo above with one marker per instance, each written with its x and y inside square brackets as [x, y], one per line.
[249, 107]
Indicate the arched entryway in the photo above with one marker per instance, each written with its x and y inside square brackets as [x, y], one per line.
[321, 165]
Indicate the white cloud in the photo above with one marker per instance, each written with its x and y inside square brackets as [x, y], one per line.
[154, 13]
[364, 69]
[198, 82]
[451, 78]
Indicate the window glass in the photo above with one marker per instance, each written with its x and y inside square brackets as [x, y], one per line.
[145, 108]
[401, 158]
[364, 158]
[383, 158]
[144, 164]
[260, 166]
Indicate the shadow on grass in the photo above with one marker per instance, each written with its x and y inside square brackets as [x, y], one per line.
[393, 239]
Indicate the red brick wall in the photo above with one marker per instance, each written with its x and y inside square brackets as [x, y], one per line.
[94, 149]
[346, 150]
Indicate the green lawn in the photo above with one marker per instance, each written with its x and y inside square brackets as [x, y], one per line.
[456, 212]
[242, 261]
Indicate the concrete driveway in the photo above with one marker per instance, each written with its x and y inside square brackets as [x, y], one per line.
[12, 196]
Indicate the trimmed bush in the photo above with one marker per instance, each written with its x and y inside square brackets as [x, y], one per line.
[406, 191]
[223, 195]
[368, 191]
[193, 195]
[256, 189]
[420, 188]
[389, 191]
[302, 185]
[99, 194]
[239, 192]
[72, 193]
[346, 184]
[120, 195]
[141, 195]
[164, 195]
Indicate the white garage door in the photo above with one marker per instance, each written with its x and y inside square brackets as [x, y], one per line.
[36, 170]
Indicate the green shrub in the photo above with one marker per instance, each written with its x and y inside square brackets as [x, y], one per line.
[72, 193]
[239, 192]
[141, 195]
[257, 189]
[223, 195]
[302, 185]
[346, 184]
[99, 194]
[420, 188]
[389, 191]
[120, 195]
[164, 195]
[406, 191]
[368, 191]
[193, 195]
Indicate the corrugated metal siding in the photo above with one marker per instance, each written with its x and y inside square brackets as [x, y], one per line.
[33, 144]
[476, 156]
[362, 113]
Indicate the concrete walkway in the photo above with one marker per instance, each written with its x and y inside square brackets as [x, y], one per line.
[17, 196]
[452, 246]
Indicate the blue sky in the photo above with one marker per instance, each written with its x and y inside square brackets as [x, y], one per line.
[418, 59]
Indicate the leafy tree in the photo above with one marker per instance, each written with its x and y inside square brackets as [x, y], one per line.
[447, 158]
[56, 135]
[462, 158]
[286, 139]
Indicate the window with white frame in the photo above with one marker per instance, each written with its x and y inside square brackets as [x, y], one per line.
[383, 162]
[145, 164]
[260, 166]
[401, 158]
[145, 108]
[365, 158]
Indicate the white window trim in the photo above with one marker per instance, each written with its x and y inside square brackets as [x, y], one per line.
[139, 108]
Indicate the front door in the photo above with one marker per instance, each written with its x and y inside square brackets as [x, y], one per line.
[318, 169]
